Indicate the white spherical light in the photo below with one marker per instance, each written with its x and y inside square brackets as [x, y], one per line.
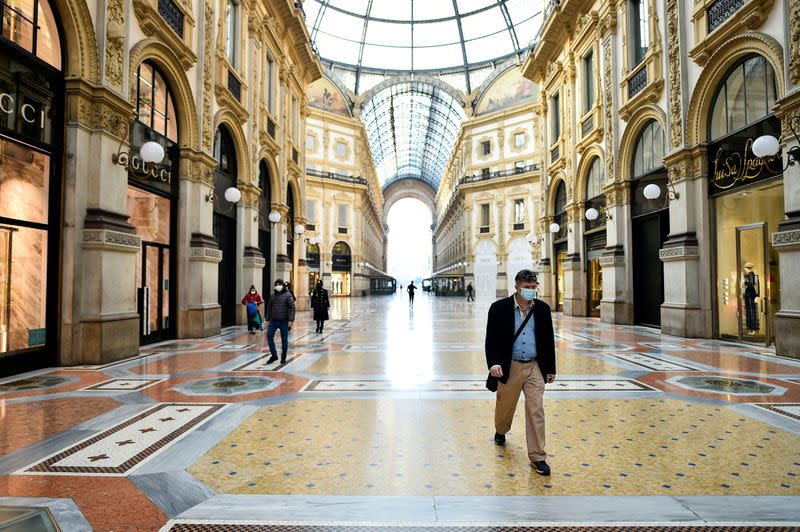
[299, 229]
[652, 191]
[274, 217]
[592, 214]
[555, 228]
[313, 241]
[152, 152]
[766, 146]
[233, 194]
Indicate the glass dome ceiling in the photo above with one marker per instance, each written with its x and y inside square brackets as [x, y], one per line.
[421, 35]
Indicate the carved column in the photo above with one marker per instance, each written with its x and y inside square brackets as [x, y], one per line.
[574, 298]
[283, 262]
[99, 319]
[253, 261]
[617, 303]
[786, 241]
[300, 284]
[686, 254]
[199, 313]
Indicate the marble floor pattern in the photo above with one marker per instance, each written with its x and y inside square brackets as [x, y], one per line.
[382, 422]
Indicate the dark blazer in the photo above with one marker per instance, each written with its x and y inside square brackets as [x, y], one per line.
[500, 329]
[320, 303]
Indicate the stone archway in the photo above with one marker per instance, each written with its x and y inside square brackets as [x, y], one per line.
[408, 188]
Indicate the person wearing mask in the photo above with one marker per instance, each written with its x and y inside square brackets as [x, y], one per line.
[520, 355]
[320, 303]
[252, 300]
[280, 315]
[411, 289]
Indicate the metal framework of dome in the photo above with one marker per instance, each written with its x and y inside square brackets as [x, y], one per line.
[442, 36]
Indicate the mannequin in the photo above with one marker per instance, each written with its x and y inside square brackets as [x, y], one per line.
[751, 292]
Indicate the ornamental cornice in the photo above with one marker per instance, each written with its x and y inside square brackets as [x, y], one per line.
[203, 254]
[98, 108]
[749, 17]
[154, 25]
[111, 240]
[678, 253]
[786, 240]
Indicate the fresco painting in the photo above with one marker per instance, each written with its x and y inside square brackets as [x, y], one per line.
[324, 95]
[510, 88]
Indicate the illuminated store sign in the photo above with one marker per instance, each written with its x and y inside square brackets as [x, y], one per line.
[732, 163]
[27, 111]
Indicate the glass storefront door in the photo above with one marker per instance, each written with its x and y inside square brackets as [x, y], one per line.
[340, 283]
[561, 257]
[594, 274]
[748, 283]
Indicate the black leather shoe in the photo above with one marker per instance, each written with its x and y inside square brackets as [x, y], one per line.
[499, 439]
[283, 359]
[541, 467]
[272, 359]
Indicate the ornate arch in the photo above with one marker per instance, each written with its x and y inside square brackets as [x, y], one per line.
[408, 188]
[550, 205]
[627, 145]
[417, 77]
[584, 166]
[274, 179]
[82, 58]
[170, 67]
[227, 118]
[715, 70]
[298, 206]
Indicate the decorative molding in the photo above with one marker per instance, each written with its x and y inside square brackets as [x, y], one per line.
[153, 24]
[609, 112]
[111, 240]
[208, 75]
[794, 42]
[674, 61]
[97, 108]
[786, 240]
[115, 43]
[201, 254]
[679, 253]
[749, 17]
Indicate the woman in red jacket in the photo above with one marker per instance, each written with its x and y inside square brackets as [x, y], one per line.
[252, 299]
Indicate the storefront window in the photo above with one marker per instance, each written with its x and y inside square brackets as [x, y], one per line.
[39, 38]
[649, 152]
[24, 182]
[748, 283]
[23, 287]
[155, 106]
[746, 96]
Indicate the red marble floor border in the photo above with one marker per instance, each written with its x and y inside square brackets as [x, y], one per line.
[108, 503]
[85, 378]
[185, 362]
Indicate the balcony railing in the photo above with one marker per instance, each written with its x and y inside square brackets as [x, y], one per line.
[338, 177]
[500, 173]
[720, 11]
[172, 15]
[587, 125]
[235, 86]
[637, 82]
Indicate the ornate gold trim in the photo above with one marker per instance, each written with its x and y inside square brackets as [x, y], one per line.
[750, 17]
[153, 24]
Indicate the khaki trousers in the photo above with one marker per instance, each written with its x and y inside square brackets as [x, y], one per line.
[528, 379]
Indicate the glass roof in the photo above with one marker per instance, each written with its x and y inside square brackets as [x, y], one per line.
[421, 35]
[412, 128]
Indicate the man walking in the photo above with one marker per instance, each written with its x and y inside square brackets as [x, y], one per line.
[280, 314]
[411, 289]
[470, 291]
[520, 355]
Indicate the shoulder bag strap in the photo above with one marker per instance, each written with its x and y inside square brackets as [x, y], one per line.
[524, 322]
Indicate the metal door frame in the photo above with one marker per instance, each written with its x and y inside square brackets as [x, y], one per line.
[764, 298]
[162, 333]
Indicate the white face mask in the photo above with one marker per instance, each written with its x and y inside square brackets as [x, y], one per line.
[278, 287]
[252, 292]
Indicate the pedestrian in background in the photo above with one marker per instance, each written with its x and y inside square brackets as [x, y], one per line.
[470, 292]
[252, 299]
[280, 315]
[411, 289]
[320, 303]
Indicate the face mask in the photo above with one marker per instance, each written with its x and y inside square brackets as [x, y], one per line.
[529, 294]
[252, 292]
[278, 287]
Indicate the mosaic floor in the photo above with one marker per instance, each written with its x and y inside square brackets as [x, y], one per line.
[383, 422]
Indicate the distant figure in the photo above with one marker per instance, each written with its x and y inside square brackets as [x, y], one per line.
[411, 289]
[252, 300]
[320, 303]
[289, 289]
[470, 292]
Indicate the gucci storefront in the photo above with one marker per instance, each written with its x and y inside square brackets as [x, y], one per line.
[747, 200]
[31, 143]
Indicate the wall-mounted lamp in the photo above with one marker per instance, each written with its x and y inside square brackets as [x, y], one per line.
[535, 242]
[232, 196]
[299, 229]
[593, 214]
[313, 240]
[145, 164]
[653, 191]
[554, 228]
[767, 146]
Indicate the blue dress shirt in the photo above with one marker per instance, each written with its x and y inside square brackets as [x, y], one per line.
[525, 345]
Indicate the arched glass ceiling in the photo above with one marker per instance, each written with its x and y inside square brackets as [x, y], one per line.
[421, 35]
[412, 128]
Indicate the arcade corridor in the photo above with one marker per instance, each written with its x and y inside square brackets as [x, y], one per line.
[384, 419]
